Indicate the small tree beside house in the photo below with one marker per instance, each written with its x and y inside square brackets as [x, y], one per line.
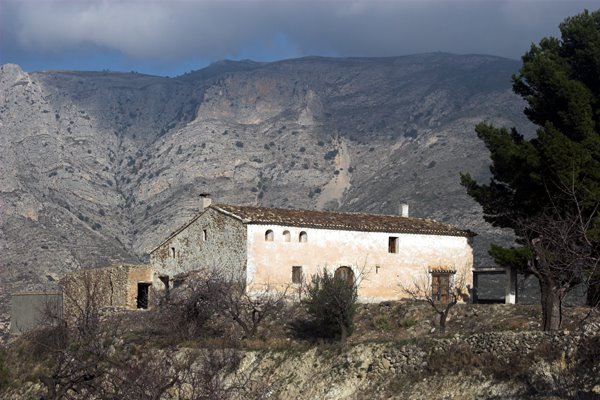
[331, 300]
[441, 287]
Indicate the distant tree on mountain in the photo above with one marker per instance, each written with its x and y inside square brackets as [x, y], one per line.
[547, 188]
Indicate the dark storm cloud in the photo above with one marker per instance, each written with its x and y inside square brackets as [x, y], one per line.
[176, 30]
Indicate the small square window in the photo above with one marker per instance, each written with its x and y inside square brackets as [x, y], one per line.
[393, 244]
[297, 274]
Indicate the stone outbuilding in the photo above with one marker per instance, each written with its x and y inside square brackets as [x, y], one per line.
[118, 286]
[282, 248]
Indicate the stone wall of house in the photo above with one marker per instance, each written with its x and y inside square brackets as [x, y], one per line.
[213, 240]
[379, 272]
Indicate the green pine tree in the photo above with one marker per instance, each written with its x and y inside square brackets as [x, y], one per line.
[541, 185]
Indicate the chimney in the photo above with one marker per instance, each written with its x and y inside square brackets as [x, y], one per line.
[404, 209]
[205, 201]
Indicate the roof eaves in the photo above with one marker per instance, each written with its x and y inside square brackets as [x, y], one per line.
[229, 213]
[416, 231]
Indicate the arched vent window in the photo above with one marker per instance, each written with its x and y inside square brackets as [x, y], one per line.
[303, 238]
[286, 236]
[269, 236]
[173, 252]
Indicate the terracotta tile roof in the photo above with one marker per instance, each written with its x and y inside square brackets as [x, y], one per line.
[442, 269]
[338, 220]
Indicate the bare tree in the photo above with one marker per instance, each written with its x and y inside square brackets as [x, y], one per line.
[210, 298]
[248, 310]
[142, 374]
[441, 288]
[562, 257]
[210, 373]
[75, 345]
[214, 375]
[219, 373]
[85, 353]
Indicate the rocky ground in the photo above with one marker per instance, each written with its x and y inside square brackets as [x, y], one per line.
[489, 352]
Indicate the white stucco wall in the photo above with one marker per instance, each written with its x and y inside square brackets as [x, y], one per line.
[365, 252]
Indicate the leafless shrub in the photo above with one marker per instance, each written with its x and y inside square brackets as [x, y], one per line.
[210, 303]
[213, 376]
[88, 355]
[76, 346]
[249, 310]
[143, 374]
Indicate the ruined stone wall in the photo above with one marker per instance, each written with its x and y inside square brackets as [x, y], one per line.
[223, 247]
[114, 286]
[380, 273]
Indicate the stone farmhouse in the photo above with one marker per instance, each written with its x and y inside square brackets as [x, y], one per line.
[282, 248]
[117, 287]
[270, 247]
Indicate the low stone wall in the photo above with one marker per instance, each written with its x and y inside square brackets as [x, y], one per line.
[406, 370]
[413, 357]
[401, 371]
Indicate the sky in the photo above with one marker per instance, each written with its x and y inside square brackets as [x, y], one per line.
[172, 37]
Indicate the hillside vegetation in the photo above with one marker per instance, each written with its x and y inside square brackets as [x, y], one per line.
[490, 352]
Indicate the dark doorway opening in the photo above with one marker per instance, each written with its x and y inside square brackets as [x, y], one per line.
[142, 295]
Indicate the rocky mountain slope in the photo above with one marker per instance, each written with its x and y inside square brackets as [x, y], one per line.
[98, 167]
